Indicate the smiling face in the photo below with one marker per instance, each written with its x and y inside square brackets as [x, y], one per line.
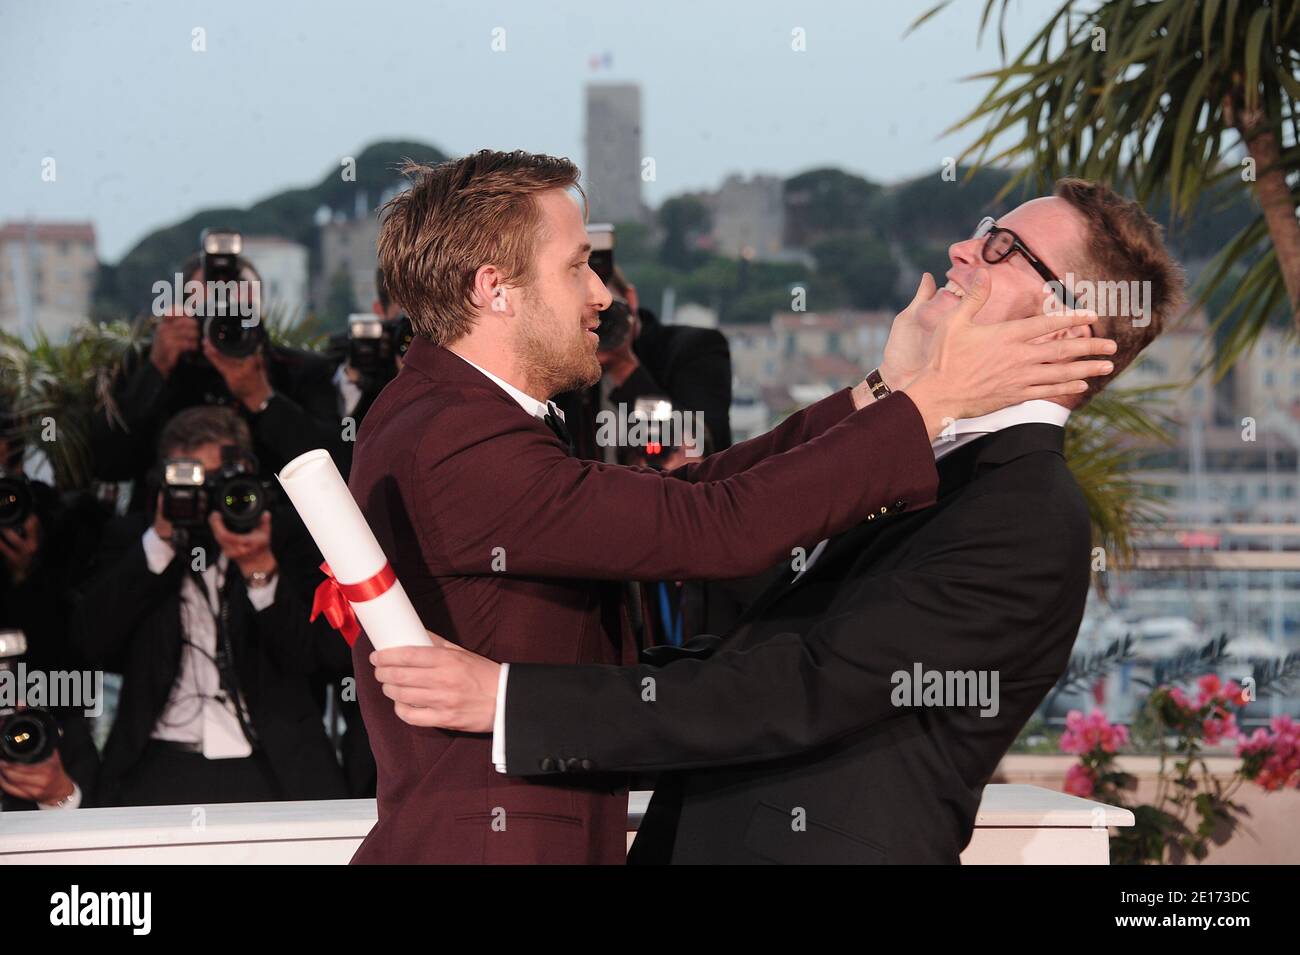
[554, 332]
[1052, 230]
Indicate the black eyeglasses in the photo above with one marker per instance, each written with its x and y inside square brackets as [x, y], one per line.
[999, 243]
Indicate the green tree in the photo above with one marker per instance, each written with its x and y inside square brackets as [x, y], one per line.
[340, 302]
[823, 202]
[127, 288]
[683, 220]
[1155, 96]
[862, 264]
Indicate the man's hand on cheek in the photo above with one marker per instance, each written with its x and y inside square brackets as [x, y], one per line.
[443, 685]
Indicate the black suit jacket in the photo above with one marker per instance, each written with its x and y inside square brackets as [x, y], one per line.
[691, 366]
[79, 756]
[302, 416]
[39, 606]
[787, 742]
[128, 622]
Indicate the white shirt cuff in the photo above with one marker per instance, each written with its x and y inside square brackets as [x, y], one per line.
[499, 722]
[72, 802]
[157, 552]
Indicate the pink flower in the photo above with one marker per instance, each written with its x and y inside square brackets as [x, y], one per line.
[1079, 781]
[1209, 686]
[1215, 729]
[1218, 695]
[1272, 759]
[1084, 734]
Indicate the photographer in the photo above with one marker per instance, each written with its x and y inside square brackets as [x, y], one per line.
[47, 757]
[641, 358]
[370, 353]
[47, 541]
[198, 607]
[286, 395]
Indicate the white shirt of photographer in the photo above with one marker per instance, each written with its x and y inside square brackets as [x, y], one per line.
[198, 710]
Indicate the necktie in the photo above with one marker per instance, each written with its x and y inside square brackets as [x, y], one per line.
[552, 419]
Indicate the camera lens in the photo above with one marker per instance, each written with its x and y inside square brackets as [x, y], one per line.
[230, 336]
[27, 736]
[16, 501]
[241, 501]
[615, 323]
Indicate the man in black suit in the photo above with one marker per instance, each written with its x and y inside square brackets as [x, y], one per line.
[211, 634]
[689, 366]
[860, 707]
[287, 396]
[43, 558]
[63, 780]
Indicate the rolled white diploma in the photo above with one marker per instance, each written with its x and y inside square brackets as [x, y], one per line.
[322, 499]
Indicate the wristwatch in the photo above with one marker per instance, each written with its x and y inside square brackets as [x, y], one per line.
[877, 384]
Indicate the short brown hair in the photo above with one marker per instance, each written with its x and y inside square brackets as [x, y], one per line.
[1124, 244]
[456, 217]
[204, 424]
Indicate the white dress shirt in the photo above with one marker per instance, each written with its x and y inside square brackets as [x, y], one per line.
[73, 801]
[198, 709]
[962, 431]
[538, 409]
[349, 392]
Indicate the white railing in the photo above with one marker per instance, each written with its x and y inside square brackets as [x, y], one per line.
[1016, 824]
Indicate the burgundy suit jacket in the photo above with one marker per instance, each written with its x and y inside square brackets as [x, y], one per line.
[511, 547]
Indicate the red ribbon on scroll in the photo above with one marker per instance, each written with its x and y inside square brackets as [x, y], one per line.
[334, 599]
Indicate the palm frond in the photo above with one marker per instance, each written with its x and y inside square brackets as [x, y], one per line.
[1100, 443]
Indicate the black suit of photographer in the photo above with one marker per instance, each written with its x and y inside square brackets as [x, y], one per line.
[129, 621]
[64, 531]
[690, 366]
[301, 415]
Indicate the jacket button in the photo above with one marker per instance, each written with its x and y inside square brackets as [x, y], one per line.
[900, 505]
[588, 764]
[547, 764]
[574, 763]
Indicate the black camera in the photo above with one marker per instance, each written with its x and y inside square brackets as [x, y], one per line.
[615, 321]
[17, 501]
[28, 735]
[375, 344]
[652, 420]
[235, 492]
[232, 308]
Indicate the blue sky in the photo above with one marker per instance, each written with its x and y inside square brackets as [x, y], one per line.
[145, 131]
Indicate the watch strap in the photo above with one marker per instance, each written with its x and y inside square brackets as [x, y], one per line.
[877, 384]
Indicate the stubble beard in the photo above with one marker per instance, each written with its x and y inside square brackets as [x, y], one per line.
[556, 361]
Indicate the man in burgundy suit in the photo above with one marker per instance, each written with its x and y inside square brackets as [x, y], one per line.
[512, 547]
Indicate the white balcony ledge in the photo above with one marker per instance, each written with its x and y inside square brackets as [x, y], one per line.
[1016, 824]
